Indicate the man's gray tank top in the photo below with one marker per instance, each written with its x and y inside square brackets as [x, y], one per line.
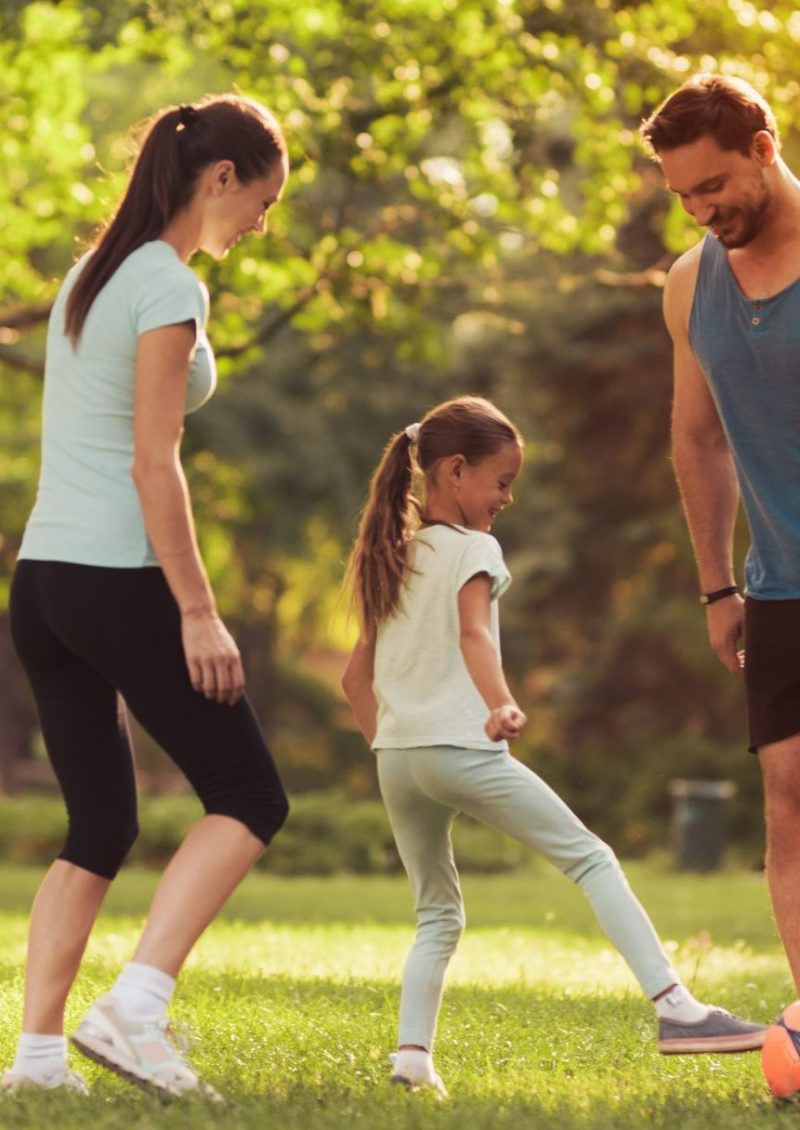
[749, 351]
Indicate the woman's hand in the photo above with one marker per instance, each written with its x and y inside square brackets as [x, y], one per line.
[505, 722]
[212, 657]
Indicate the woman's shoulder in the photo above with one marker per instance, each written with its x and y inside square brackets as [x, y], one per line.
[153, 276]
[157, 259]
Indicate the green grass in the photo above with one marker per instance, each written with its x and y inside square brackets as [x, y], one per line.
[292, 996]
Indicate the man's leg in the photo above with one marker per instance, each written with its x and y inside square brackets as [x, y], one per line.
[780, 764]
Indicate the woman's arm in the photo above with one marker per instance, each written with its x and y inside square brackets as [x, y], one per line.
[162, 373]
[482, 659]
[357, 686]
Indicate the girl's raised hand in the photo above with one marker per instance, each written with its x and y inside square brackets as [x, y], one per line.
[505, 722]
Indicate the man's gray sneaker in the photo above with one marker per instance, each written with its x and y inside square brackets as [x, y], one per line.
[721, 1031]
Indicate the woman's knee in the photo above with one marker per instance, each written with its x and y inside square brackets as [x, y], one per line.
[100, 846]
[274, 815]
[262, 816]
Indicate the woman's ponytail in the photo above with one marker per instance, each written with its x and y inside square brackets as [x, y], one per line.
[177, 145]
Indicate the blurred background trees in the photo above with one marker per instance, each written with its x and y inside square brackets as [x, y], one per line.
[469, 211]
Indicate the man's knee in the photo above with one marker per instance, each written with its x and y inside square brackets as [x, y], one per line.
[780, 767]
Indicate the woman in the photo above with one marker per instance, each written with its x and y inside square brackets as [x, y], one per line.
[110, 594]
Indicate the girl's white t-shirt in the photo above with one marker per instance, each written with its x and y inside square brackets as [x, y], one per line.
[87, 509]
[426, 696]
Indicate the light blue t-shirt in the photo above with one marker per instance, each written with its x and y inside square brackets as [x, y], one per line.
[425, 693]
[87, 509]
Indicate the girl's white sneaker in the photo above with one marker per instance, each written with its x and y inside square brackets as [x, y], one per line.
[413, 1069]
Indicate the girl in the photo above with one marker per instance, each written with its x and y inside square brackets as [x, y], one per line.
[427, 689]
[110, 594]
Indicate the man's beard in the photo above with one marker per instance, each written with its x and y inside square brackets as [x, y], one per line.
[752, 222]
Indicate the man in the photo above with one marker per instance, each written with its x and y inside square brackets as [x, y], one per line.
[732, 307]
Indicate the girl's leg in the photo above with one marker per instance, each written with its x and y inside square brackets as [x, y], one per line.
[421, 828]
[503, 793]
[500, 791]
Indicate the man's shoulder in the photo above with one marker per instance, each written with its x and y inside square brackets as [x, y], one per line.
[680, 287]
[683, 271]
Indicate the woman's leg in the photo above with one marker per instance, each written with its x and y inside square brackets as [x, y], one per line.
[210, 863]
[62, 916]
[124, 623]
[87, 743]
[218, 747]
[88, 747]
[421, 829]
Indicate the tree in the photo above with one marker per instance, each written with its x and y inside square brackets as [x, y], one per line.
[468, 211]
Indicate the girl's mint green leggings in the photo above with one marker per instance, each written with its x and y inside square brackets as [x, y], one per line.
[423, 790]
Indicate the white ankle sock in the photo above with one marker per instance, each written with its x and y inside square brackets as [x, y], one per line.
[142, 992]
[415, 1065]
[40, 1057]
[679, 1005]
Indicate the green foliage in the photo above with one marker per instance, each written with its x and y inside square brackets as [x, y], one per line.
[469, 210]
[328, 833]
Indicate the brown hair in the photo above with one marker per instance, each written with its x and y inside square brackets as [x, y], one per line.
[726, 109]
[177, 144]
[468, 426]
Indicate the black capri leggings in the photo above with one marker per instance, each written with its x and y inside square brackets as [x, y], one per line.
[85, 632]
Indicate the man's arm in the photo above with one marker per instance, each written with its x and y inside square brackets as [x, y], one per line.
[704, 468]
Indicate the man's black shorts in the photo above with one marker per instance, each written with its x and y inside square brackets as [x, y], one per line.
[772, 669]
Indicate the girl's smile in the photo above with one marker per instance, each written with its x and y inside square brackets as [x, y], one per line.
[473, 494]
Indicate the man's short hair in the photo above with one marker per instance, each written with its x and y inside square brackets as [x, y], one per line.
[726, 109]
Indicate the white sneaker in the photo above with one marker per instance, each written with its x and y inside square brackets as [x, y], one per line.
[141, 1052]
[414, 1071]
[66, 1080]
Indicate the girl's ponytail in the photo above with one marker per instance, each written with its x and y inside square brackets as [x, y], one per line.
[377, 563]
[468, 426]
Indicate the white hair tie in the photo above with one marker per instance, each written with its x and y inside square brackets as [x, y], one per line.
[412, 431]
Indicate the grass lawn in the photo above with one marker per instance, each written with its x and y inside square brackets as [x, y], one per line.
[292, 997]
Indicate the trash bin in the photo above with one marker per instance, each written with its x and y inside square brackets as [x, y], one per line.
[699, 822]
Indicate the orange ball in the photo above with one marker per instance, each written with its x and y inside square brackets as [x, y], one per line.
[780, 1054]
